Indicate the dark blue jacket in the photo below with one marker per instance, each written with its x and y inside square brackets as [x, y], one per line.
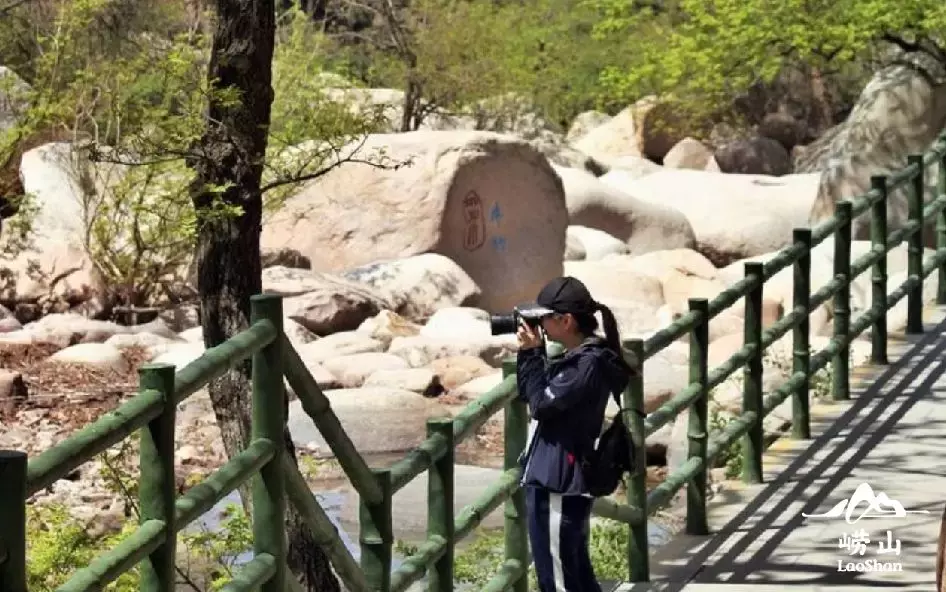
[566, 401]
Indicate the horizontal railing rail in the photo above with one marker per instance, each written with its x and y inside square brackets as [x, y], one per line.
[162, 513]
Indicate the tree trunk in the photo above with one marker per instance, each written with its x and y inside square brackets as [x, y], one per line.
[231, 152]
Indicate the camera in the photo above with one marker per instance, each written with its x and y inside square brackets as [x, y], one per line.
[530, 314]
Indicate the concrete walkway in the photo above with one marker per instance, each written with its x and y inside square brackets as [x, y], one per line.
[891, 436]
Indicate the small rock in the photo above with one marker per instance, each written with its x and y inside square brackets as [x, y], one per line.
[421, 351]
[193, 335]
[180, 355]
[8, 322]
[324, 378]
[296, 333]
[12, 390]
[284, 257]
[754, 156]
[418, 380]
[339, 344]
[98, 355]
[188, 454]
[12, 385]
[387, 325]
[458, 322]
[597, 244]
[478, 386]
[352, 370]
[688, 153]
[456, 370]
[154, 344]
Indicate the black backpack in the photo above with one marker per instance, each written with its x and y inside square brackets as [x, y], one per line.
[613, 456]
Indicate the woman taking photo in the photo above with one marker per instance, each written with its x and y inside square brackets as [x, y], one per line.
[567, 399]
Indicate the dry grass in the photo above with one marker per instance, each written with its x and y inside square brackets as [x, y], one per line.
[70, 394]
[20, 356]
[64, 378]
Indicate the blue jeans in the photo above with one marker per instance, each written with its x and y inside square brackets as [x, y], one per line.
[558, 534]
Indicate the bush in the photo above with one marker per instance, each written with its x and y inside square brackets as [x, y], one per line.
[478, 561]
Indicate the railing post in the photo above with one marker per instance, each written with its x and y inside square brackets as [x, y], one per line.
[840, 379]
[516, 432]
[697, 430]
[941, 233]
[269, 422]
[878, 300]
[13, 521]
[440, 506]
[801, 336]
[915, 248]
[377, 535]
[752, 377]
[638, 553]
[157, 490]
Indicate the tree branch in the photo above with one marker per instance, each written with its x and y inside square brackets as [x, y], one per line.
[11, 6]
[930, 48]
[301, 177]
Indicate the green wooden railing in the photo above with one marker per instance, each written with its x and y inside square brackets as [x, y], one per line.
[274, 477]
[276, 480]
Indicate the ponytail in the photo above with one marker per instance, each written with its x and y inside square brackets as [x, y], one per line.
[612, 336]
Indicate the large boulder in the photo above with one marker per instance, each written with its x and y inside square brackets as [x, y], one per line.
[53, 268]
[643, 225]
[377, 419]
[322, 303]
[584, 122]
[901, 111]
[417, 286]
[648, 128]
[489, 202]
[754, 156]
[732, 216]
[635, 298]
[561, 154]
[688, 153]
[594, 244]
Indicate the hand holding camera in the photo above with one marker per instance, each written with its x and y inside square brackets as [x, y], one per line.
[525, 321]
[529, 337]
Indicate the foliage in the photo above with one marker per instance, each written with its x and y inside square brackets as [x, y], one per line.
[477, 561]
[489, 60]
[60, 544]
[95, 82]
[819, 388]
[134, 117]
[710, 52]
[311, 131]
[221, 549]
[729, 457]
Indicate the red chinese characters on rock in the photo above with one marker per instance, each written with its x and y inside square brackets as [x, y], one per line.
[474, 233]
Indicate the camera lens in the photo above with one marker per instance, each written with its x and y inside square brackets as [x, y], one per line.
[500, 324]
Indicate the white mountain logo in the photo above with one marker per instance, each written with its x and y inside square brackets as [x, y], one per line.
[878, 506]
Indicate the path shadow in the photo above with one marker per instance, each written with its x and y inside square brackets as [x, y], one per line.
[873, 414]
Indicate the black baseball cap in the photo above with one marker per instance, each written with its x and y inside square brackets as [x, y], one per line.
[567, 295]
